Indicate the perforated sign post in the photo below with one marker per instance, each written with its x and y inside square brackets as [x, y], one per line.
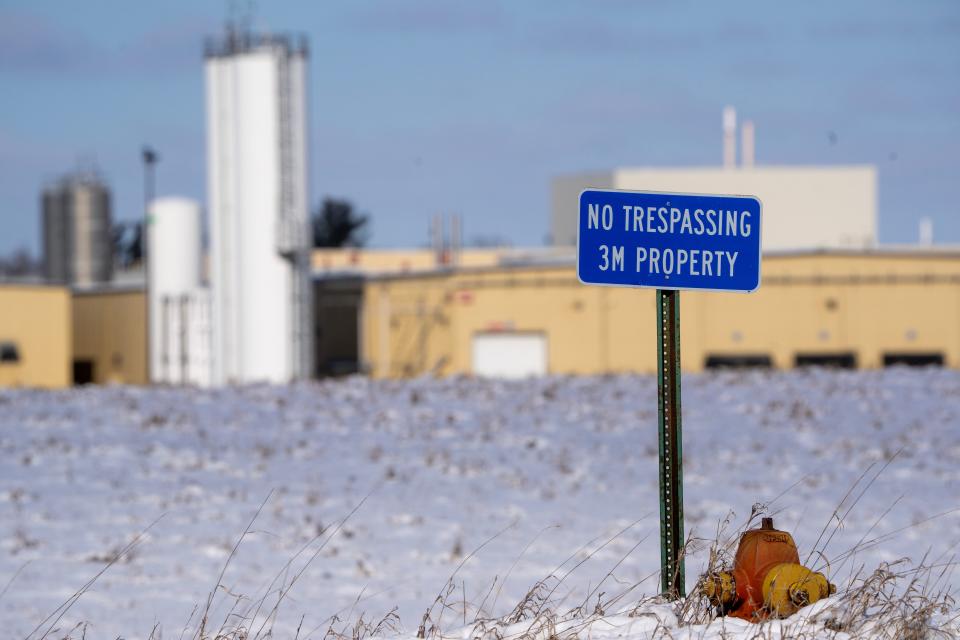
[669, 242]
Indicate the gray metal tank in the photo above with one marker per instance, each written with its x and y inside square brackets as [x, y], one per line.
[77, 238]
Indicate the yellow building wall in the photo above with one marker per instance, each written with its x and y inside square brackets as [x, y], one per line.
[37, 320]
[865, 304]
[403, 261]
[397, 260]
[109, 329]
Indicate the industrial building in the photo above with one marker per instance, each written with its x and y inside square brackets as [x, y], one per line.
[239, 313]
[815, 207]
[55, 336]
[857, 309]
[261, 307]
[35, 335]
[803, 207]
[258, 203]
[77, 228]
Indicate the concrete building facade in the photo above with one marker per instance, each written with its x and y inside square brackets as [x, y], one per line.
[804, 208]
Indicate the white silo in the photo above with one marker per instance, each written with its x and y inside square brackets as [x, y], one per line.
[179, 306]
[257, 188]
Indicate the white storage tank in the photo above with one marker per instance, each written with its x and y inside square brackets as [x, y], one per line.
[257, 196]
[179, 324]
[174, 247]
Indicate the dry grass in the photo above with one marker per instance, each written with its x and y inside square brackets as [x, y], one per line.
[895, 601]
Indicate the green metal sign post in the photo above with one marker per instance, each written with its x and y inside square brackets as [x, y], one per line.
[669, 242]
[671, 444]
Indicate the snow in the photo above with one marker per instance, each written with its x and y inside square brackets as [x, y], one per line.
[517, 481]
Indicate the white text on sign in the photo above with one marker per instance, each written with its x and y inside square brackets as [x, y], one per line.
[672, 220]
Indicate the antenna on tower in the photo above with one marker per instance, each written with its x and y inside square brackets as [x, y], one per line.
[240, 15]
[232, 12]
[246, 18]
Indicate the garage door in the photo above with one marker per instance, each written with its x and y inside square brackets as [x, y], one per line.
[509, 355]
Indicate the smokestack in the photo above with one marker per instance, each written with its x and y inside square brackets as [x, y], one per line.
[729, 137]
[747, 144]
[926, 232]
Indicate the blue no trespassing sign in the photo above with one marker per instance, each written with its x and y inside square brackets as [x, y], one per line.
[669, 240]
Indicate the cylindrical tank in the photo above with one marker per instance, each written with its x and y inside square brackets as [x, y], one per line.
[92, 242]
[258, 201]
[173, 247]
[57, 243]
[77, 234]
[174, 265]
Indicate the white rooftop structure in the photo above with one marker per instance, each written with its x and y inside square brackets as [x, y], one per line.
[804, 207]
[829, 207]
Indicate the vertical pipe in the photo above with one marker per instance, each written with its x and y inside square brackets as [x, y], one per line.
[455, 239]
[672, 574]
[184, 340]
[149, 187]
[435, 240]
[729, 137]
[459, 237]
[362, 362]
[747, 143]
[422, 335]
[444, 240]
[384, 311]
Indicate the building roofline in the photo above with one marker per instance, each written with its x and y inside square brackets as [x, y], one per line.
[885, 251]
[756, 167]
[106, 288]
[30, 283]
[890, 251]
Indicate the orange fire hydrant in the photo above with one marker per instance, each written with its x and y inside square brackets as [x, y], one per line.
[767, 580]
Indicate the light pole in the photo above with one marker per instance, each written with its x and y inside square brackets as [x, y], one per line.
[150, 159]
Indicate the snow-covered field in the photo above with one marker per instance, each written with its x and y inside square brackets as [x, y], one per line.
[534, 477]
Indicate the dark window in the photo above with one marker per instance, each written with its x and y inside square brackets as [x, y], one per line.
[82, 371]
[835, 360]
[739, 361]
[9, 352]
[913, 359]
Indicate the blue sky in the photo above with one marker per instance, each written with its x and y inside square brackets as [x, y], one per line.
[430, 106]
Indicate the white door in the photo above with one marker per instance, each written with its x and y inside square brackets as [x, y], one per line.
[509, 355]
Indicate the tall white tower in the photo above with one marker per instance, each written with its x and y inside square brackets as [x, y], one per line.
[257, 191]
